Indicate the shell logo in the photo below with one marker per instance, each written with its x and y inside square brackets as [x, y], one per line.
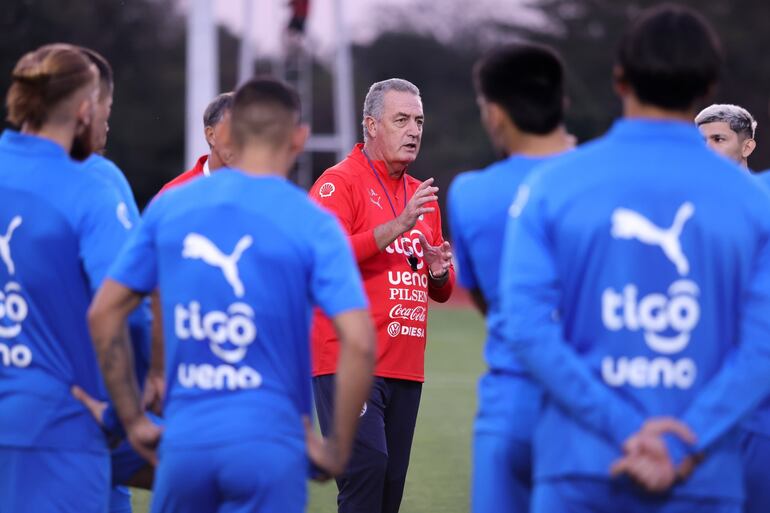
[326, 190]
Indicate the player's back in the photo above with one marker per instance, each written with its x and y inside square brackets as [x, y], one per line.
[655, 241]
[54, 218]
[236, 257]
[478, 209]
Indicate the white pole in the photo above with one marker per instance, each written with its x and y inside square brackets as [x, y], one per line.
[246, 54]
[344, 117]
[202, 82]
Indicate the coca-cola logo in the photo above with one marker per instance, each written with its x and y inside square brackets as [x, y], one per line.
[416, 313]
[394, 328]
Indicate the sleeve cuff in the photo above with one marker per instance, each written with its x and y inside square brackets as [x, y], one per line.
[677, 449]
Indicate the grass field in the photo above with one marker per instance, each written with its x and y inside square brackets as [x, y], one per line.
[440, 466]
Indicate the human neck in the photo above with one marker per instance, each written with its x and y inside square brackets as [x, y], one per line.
[214, 161]
[263, 161]
[533, 145]
[633, 108]
[395, 170]
[61, 134]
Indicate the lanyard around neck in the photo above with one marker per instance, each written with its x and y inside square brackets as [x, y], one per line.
[377, 176]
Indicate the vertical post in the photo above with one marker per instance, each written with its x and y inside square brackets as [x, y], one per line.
[343, 84]
[202, 81]
[246, 54]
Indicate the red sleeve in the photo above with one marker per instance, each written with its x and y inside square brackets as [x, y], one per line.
[332, 192]
[440, 294]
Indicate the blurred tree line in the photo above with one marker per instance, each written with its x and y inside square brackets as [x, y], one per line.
[145, 42]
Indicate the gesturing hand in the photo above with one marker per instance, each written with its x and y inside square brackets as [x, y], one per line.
[425, 193]
[647, 460]
[438, 258]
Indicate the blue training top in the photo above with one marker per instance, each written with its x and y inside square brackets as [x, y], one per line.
[633, 269]
[478, 204]
[59, 232]
[240, 261]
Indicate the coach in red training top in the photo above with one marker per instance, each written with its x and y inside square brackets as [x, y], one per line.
[216, 118]
[394, 225]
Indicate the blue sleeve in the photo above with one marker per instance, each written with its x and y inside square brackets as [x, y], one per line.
[101, 232]
[530, 292]
[744, 379]
[137, 265]
[465, 273]
[335, 281]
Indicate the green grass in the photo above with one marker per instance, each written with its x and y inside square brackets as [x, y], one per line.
[439, 471]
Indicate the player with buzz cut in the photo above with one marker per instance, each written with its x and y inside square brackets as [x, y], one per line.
[239, 259]
[520, 93]
[729, 130]
[632, 295]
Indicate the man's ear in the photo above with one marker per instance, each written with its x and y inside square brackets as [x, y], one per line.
[371, 126]
[619, 82]
[85, 112]
[749, 145]
[209, 133]
[299, 137]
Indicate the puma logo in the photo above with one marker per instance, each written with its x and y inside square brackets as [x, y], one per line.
[627, 224]
[5, 244]
[198, 246]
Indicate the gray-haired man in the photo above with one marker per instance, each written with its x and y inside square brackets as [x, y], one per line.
[216, 118]
[394, 226]
[728, 130]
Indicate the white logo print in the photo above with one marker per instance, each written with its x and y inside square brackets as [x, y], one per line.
[520, 201]
[326, 190]
[122, 213]
[5, 245]
[627, 224]
[198, 246]
[375, 198]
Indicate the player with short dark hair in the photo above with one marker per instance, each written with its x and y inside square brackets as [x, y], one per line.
[239, 261]
[60, 229]
[634, 303]
[520, 93]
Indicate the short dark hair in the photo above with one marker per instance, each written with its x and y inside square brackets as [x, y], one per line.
[102, 66]
[527, 81]
[264, 109]
[670, 56]
[217, 108]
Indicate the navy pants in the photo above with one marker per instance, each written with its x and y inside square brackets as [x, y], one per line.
[375, 477]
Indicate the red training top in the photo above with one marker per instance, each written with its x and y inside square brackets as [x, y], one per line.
[199, 169]
[398, 295]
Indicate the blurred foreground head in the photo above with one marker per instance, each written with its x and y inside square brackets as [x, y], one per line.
[265, 123]
[53, 93]
[728, 130]
[520, 87]
[669, 58]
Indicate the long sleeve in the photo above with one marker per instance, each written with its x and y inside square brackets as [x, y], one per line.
[530, 296]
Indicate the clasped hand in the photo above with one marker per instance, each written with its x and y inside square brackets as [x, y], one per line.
[646, 459]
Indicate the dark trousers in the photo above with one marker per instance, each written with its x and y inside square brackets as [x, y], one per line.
[375, 477]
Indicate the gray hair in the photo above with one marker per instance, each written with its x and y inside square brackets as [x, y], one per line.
[217, 108]
[375, 98]
[740, 120]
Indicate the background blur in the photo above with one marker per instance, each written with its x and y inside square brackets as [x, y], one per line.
[431, 43]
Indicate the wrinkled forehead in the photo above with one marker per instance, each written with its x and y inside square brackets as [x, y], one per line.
[717, 128]
[401, 102]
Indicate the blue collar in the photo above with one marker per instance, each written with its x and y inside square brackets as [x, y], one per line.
[16, 141]
[638, 128]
